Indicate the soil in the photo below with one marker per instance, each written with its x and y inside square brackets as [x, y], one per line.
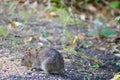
[83, 63]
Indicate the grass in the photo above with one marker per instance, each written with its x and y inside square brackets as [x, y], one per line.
[14, 43]
[13, 12]
[3, 32]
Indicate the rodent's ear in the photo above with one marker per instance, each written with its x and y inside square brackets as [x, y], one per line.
[28, 53]
[26, 49]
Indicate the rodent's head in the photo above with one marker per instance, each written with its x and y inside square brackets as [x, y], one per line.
[27, 59]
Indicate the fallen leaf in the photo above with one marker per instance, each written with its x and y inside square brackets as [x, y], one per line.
[42, 39]
[83, 17]
[74, 39]
[91, 8]
[51, 14]
[1, 38]
[15, 24]
[116, 77]
[20, 2]
[34, 5]
[81, 36]
[26, 40]
[116, 48]
[95, 60]
[50, 32]
[102, 48]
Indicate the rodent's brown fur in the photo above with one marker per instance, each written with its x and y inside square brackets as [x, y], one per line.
[47, 59]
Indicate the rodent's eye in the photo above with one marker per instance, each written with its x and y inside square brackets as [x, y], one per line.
[23, 59]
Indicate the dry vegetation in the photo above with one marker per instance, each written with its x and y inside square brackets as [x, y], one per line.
[85, 32]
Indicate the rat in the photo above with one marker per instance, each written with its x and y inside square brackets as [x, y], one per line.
[47, 59]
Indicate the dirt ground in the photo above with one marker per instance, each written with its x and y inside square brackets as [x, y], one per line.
[87, 63]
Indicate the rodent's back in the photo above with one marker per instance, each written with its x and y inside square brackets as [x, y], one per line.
[52, 59]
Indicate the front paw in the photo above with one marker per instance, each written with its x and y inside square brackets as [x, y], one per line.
[36, 69]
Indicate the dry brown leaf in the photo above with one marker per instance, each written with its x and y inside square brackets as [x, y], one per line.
[1, 38]
[34, 5]
[20, 2]
[91, 8]
[15, 24]
[50, 32]
[95, 60]
[51, 14]
[12, 25]
[26, 40]
[102, 48]
[81, 36]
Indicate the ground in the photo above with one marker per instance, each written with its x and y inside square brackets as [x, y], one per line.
[82, 62]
